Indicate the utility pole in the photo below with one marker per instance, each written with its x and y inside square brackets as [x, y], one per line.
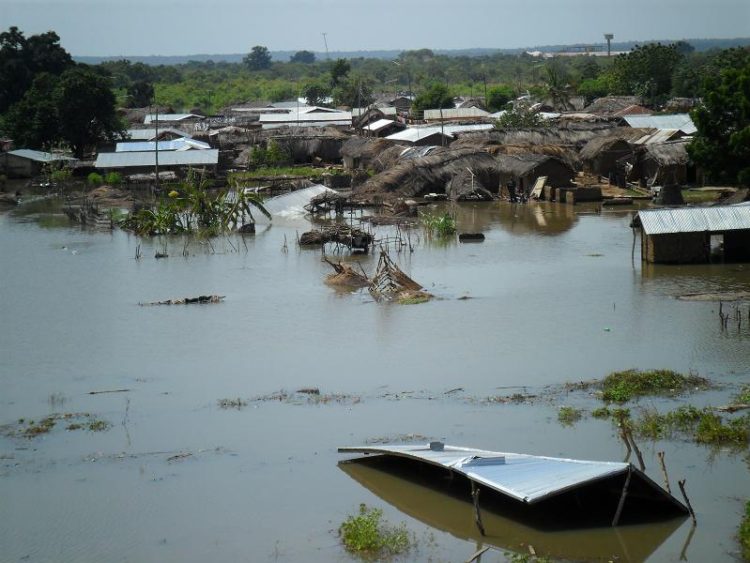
[325, 42]
[156, 146]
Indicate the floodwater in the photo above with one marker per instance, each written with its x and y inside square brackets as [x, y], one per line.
[553, 295]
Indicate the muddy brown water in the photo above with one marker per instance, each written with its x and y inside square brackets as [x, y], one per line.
[554, 297]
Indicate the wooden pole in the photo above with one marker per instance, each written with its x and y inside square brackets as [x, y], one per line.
[664, 471]
[687, 500]
[477, 515]
[624, 494]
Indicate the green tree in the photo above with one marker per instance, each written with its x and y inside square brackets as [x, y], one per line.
[646, 71]
[520, 117]
[436, 96]
[339, 70]
[139, 94]
[557, 86]
[354, 91]
[86, 109]
[33, 121]
[22, 59]
[258, 58]
[722, 144]
[304, 57]
[498, 97]
[315, 91]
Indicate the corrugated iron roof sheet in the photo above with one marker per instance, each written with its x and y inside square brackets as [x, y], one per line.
[414, 134]
[695, 219]
[175, 145]
[454, 113]
[39, 156]
[659, 136]
[149, 134]
[151, 118]
[293, 117]
[526, 478]
[379, 124]
[679, 121]
[148, 159]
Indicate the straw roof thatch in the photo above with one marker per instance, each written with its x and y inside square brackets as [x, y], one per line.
[566, 154]
[571, 134]
[668, 154]
[597, 145]
[375, 153]
[433, 173]
[609, 105]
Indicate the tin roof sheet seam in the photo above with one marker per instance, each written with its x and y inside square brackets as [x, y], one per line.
[695, 219]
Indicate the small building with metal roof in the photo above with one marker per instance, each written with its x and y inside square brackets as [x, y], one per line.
[452, 114]
[150, 134]
[171, 117]
[27, 163]
[681, 121]
[173, 145]
[383, 127]
[695, 234]
[141, 162]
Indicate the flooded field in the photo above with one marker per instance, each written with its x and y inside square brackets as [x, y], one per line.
[206, 453]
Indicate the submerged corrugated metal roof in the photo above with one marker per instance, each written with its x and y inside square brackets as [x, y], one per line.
[717, 218]
[679, 121]
[146, 159]
[293, 203]
[526, 478]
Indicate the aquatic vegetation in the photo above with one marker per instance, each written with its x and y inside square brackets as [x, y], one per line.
[192, 207]
[601, 412]
[366, 534]
[76, 421]
[413, 297]
[232, 403]
[744, 533]
[567, 416]
[439, 225]
[42, 427]
[97, 426]
[622, 386]
[743, 397]
[703, 426]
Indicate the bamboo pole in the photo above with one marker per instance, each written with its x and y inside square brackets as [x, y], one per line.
[477, 514]
[624, 494]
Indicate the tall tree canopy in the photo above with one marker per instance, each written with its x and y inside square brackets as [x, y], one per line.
[646, 71]
[722, 144]
[258, 58]
[22, 59]
[304, 57]
[77, 108]
[436, 96]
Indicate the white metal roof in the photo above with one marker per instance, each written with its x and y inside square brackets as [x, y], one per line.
[175, 145]
[526, 478]
[150, 134]
[151, 117]
[385, 110]
[414, 134]
[716, 218]
[454, 113]
[148, 159]
[379, 124]
[293, 203]
[679, 121]
[39, 156]
[302, 117]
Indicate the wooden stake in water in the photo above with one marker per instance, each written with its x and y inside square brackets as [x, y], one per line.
[477, 515]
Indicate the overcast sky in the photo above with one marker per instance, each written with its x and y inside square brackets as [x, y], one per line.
[182, 27]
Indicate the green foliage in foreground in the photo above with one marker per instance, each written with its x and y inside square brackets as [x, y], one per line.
[266, 171]
[622, 386]
[744, 533]
[366, 535]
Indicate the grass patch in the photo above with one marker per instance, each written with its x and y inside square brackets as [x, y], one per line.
[76, 421]
[567, 416]
[365, 534]
[700, 196]
[743, 397]
[744, 533]
[622, 386]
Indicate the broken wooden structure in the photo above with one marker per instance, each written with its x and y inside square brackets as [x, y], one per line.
[390, 283]
[200, 300]
[355, 239]
[345, 276]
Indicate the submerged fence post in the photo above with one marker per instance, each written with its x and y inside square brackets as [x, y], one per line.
[664, 471]
[681, 483]
[477, 515]
[616, 519]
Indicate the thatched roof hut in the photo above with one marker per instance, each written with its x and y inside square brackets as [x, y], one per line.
[372, 153]
[573, 135]
[601, 155]
[664, 164]
[309, 144]
[434, 173]
[524, 169]
[609, 105]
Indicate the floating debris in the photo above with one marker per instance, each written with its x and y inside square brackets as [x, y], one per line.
[390, 283]
[200, 300]
[343, 235]
[346, 276]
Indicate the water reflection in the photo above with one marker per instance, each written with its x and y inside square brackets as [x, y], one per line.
[432, 504]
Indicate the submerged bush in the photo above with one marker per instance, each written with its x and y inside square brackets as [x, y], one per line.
[701, 425]
[440, 225]
[622, 386]
[567, 416]
[94, 179]
[366, 534]
[113, 178]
